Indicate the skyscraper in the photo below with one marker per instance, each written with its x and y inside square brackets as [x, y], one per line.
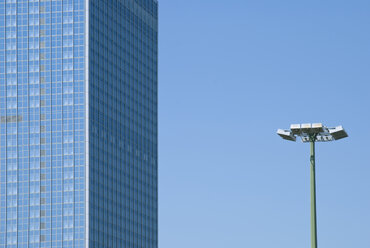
[78, 128]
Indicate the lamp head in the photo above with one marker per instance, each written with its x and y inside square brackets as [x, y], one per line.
[287, 135]
[316, 132]
[338, 133]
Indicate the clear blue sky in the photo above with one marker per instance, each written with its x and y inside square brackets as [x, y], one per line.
[231, 73]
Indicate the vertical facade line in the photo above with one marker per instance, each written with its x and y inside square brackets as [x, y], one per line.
[6, 127]
[29, 122]
[87, 124]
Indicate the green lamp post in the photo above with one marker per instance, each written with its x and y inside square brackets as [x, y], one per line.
[313, 133]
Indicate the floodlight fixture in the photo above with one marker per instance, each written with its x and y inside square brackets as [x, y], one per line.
[306, 128]
[316, 132]
[296, 128]
[286, 135]
[338, 133]
[313, 133]
[317, 127]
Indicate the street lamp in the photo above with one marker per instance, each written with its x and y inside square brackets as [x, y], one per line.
[313, 133]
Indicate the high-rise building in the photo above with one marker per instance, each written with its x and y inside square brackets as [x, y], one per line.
[78, 128]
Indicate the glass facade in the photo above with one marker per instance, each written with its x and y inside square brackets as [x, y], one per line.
[78, 123]
[123, 123]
